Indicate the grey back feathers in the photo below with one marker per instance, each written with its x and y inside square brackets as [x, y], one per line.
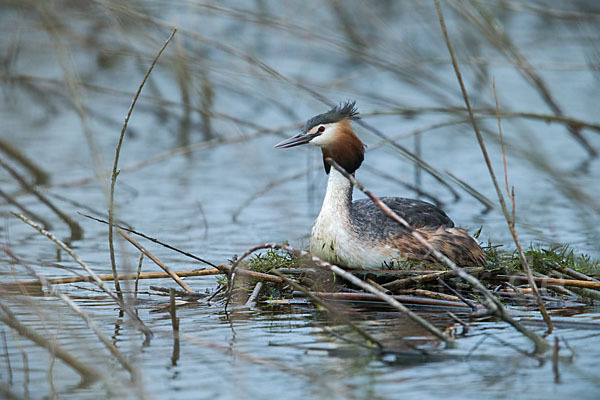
[336, 114]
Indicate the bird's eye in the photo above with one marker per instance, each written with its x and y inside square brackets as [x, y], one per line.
[321, 129]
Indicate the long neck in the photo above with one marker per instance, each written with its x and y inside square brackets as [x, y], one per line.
[338, 197]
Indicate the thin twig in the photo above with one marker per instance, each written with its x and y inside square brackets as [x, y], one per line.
[428, 277]
[153, 240]
[123, 277]
[516, 279]
[137, 276]
[179, 293]
[157, 261]
[571, 272]
[225, 268]
[254, 295]
[115, 172]
[457, 294]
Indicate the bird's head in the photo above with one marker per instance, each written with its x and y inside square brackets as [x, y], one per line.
[332, 132]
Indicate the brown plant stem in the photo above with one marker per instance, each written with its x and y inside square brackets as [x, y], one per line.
[516, 279]
[420, 279]
[115, 172]
[157, 261]
[153, 240]
[145, 275]
[225, 268]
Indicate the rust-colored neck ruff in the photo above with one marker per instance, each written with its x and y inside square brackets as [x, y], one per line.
[346, 149]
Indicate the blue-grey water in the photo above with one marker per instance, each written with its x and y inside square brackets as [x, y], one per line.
[258, 70]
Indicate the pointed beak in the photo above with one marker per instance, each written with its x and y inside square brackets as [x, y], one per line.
[297, 140]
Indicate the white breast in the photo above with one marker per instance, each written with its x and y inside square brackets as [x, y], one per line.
[332, 238]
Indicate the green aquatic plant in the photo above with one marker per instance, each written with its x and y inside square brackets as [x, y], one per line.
[265, 262]
[543, 259]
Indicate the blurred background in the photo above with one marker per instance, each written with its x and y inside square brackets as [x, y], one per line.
[197, 165]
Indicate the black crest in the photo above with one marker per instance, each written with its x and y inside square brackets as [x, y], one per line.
[336, 114]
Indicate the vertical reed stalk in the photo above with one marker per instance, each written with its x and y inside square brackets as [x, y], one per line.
[115, 172]
[491, 170]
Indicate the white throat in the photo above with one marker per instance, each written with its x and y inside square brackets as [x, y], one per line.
[332, 231]
[338, 197]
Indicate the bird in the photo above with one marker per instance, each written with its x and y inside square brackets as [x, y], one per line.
[358, 235]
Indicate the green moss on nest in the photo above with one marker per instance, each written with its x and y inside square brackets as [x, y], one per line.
[541, 259]
[272, 258]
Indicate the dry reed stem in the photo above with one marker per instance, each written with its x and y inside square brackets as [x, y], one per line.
[254, 295]
[347, 276]
[115, 172]
[76, 231]
[53, 23]
[316, 299]
[89, 321]
[224, 268]
[571, 272]
[491, 172]
[137, 276]
[516, 279]
[153, 240]
[145, 275]
[139, 323]
[157, 261]
[492, 304]
[431, 294]
[427, 277]
[86, 372]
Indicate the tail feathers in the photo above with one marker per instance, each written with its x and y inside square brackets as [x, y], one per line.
[454, 243]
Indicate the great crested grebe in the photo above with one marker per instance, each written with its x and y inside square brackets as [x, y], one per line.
[358, 234]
